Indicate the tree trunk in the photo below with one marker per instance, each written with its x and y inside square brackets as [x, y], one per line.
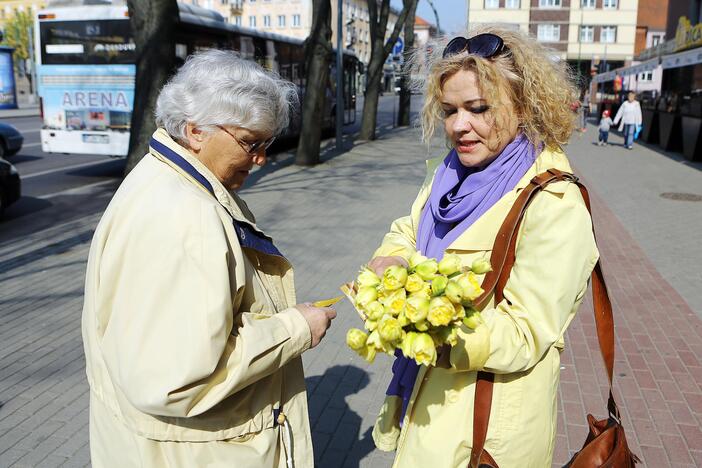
[370, 102]
[403, 115]
[317, 55]
[153, 24]
[380, 49]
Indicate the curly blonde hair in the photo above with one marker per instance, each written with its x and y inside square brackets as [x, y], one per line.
[540, 88]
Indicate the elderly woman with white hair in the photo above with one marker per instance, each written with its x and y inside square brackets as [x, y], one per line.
[191, 332]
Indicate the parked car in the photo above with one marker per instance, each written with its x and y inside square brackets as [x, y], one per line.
[10, 140]
[9, 185]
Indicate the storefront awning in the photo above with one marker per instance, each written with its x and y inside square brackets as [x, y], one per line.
[682, 59]
[643, 67]
[604, 77]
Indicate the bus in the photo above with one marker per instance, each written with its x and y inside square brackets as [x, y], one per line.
[86, 71]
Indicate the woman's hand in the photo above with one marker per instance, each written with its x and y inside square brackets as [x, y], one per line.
[380, 264]
[318, 319]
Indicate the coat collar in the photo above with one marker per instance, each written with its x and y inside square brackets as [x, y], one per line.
[167, 150]
[481, 235]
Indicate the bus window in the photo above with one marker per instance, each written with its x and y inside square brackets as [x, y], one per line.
[86, 42]
[247, 47]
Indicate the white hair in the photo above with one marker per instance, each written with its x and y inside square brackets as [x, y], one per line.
[217, 87]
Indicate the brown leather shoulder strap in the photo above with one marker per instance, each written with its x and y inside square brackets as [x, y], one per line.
[502, 259]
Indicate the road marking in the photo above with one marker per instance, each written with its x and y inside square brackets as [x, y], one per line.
[77, 189]
[31, 144]
[67, 168]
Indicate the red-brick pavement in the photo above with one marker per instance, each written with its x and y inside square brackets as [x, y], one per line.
[658, 370]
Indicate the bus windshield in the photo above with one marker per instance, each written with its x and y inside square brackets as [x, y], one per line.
[86, 42]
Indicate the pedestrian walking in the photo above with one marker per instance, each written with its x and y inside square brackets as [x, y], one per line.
[191, 333]
[605, 125]
[629, 114]
[504, 105]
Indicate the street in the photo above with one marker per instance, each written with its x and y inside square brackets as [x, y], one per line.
[328, 219]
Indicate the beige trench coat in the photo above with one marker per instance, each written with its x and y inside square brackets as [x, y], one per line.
[521, 341]
[191, 338]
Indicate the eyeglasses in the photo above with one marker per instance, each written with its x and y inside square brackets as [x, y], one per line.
[250, 148]
[483, 45]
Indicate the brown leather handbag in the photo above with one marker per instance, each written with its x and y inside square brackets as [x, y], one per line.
[606, 444]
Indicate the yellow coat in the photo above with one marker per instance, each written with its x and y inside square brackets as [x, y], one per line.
[191, 340]
[520, 342]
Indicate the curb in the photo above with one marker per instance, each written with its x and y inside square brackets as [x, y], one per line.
[22, 112]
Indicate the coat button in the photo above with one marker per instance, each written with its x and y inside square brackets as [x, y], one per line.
[452, 396]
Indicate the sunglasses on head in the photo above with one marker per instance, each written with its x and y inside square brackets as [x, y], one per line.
[483, 45]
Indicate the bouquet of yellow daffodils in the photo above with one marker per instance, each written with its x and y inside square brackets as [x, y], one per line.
[416, 309]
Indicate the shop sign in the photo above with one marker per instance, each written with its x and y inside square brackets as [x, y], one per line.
[687, 36]
[682, 59]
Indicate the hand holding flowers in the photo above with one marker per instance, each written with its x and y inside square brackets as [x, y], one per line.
[416, 306]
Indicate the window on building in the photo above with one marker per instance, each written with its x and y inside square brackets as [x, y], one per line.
[252, 21]
[492, 3]
[610, 3]
[237, 20]
[656, 39]
[646, 76]
[587, 3]
[549, 3]
[549, 32]
[281, 21]
[296, 20]
[587, 34]
[513, 4]
[608, 34]
[266, 21]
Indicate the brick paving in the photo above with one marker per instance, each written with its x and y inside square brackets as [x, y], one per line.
[328, 219]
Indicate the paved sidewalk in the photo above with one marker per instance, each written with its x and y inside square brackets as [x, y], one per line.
[328, 219]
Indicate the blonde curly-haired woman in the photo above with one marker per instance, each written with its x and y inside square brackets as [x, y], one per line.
[504, 103]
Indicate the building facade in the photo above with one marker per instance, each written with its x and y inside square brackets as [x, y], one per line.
[294, 18]
[423, 31]
[651, 24]
[586, 33]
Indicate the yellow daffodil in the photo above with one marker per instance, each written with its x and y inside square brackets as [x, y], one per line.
[450, 264]
[374, 310]
[423, 349]
[427, 269]
[356, 339]
[441, 311]
[366, 295]
[470, 285]
[473, 320]
[406, 345]
[417, 308]
[394, 277]
[368, 353]
[367, 278]
[481, 266]
[438, 285]
[454, 292]
[389, 329]
[395, 302]
[414, 283]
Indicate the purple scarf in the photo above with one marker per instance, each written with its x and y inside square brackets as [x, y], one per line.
[459, 196]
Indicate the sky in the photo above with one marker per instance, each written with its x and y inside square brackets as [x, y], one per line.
[452, 13]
